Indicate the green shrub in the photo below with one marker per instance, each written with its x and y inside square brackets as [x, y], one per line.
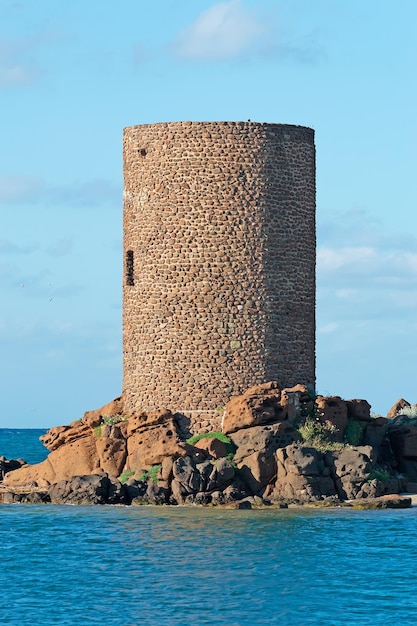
[230, 446]
[97, 431]
[126, 475]
[408, 411]
[111, 420]
[318, 435]
[220, 436]
[353, 433]
[151, 474]
[379, 474]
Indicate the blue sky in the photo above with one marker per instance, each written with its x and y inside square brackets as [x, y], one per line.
[73, 74]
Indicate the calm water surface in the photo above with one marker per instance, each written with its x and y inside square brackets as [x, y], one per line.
[159, 565]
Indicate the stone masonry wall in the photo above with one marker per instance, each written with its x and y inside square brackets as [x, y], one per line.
[219, 249]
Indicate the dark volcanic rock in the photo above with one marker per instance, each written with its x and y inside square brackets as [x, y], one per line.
[90, 489]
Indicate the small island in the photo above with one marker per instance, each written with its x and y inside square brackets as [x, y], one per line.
[276, 447]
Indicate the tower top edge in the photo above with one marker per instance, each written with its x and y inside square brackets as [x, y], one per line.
[234, 124]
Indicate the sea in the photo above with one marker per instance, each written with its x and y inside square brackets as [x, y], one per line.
[177, 566]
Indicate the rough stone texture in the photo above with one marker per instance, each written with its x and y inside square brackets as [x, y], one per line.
[72, 458]
[333, 411]
[194, 482]
[255, 454]
[396, 408]
[151, 437]
[91, 489]
[358, 410]
[219, 244]
[258, 405]
[302, 475]
[351, 468]
[214, 448]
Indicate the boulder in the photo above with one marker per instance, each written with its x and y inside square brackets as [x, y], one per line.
[191, 478]
[302, 475]
[351, 468]
[358, 410]
[396, 408]
[295, 400]
[375, 432]
[391, 501]
[150, 438]
[257, 406]
[112, 451]
[74, 458]
[62, 435]
[255, 454]
[403, 439]
[213, 448]
[90, 489]
[9, 465]
[332, 411]
[94, 418]
[266, 438]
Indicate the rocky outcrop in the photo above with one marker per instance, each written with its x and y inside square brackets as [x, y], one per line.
[259, 405]
[107, 458]
[302, 475]
[90, 489]
[256, 448]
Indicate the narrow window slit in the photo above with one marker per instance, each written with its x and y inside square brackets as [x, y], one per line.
[130, 277]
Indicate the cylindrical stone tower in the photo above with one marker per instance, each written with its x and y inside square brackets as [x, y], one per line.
[219, 270]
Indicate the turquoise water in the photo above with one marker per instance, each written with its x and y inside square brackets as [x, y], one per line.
[159, 565]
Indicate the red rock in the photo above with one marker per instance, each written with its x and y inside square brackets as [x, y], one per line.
[396, 408]
[333, 411]
[257, 406]
[358, 410]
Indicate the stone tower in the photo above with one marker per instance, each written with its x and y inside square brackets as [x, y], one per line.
[219, 261]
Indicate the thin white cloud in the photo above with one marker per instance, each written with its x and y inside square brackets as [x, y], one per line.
[334, 259]
[224, 31]
[16, 189]
[15, 70]
[331, 327]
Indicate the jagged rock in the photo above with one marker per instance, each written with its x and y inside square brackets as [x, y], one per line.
[94, 418]
[296, 399]
[263, 439]
[302, 475]
[396, 408]
[359, 410]
[152, 437]
[112, 451]
[257, 406]
[136, 490]
[90, 489]
[78, 457]
[191, 478]
[62, 435]
[333, 412]
[403, 438]
[375, 432]
[213, 448]
[255, 454]
[9, 465]
[351, 468]
[30, 497]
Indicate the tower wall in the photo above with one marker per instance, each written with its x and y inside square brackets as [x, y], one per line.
[219, 270]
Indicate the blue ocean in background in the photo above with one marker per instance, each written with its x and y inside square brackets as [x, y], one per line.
[23, 443]
[189, 566]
